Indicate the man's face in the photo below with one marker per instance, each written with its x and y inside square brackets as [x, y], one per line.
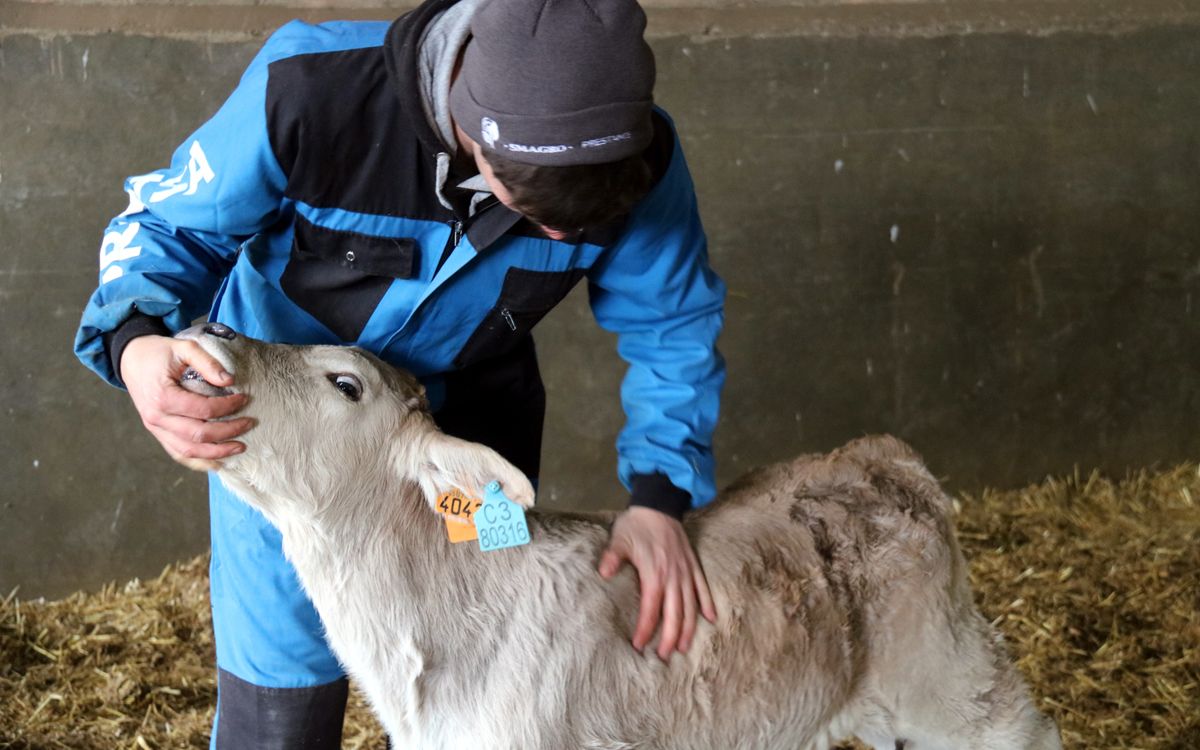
[489, 177]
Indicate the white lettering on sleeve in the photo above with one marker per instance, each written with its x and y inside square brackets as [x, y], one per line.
[187, 181]
[117, 246]
[135, 192]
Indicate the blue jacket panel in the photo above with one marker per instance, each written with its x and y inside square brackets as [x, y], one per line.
[305, 211]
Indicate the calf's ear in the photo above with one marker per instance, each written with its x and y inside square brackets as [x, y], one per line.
[447, 463]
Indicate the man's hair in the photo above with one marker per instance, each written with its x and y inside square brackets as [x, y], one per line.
[574, 197]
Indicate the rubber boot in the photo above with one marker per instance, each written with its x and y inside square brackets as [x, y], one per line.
[251, 717]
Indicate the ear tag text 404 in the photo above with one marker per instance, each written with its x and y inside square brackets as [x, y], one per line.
[459, 511]
[500, 522]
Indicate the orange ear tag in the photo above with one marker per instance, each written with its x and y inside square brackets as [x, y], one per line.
[458, 510]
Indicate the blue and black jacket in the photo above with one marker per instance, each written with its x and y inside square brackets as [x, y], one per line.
[305, 211]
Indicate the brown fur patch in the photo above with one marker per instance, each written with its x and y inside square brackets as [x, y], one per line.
[770, 571]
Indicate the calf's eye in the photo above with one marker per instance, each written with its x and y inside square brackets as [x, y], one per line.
[348, 385]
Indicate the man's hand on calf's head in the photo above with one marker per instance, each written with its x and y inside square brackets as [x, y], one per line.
[182, 421]
[672, 582]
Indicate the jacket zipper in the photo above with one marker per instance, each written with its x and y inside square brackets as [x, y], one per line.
[456, 233]
[508, 318]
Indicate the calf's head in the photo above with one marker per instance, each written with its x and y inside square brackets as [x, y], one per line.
[336, 427]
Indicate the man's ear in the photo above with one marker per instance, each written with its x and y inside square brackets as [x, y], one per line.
[447, 463]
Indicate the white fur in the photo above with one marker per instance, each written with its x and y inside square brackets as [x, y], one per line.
[842, 596]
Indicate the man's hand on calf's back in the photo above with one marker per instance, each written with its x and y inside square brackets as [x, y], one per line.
[182, 421]
[672, 582]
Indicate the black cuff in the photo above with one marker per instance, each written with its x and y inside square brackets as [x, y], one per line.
[138, 325]
[656, 492]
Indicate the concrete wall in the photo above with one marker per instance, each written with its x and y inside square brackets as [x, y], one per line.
[972, 224]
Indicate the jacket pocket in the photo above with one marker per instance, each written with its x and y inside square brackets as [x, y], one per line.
[525, 298]
[340, 277]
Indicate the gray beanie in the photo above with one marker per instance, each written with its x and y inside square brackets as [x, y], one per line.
[557, 82]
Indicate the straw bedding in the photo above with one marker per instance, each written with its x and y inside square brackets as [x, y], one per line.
[1095, 583]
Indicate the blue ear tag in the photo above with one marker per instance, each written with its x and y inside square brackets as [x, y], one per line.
[500, 522]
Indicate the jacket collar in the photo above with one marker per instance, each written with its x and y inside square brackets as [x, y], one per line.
[401, 50]
[401, 47]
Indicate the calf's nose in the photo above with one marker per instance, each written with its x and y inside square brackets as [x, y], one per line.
[220, 330]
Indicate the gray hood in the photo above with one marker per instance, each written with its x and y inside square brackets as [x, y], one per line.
[437, 52]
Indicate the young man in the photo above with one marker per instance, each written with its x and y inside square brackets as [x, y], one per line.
[427, 190]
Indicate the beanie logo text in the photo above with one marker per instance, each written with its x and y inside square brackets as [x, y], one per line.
[522, 148]
[597, 142]
[490, 130]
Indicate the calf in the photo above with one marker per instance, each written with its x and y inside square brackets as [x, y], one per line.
[842, 594]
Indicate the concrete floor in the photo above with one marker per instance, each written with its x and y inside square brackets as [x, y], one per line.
[984, 241]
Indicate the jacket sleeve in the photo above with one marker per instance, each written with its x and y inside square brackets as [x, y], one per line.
[656, 291]
[164, 257]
